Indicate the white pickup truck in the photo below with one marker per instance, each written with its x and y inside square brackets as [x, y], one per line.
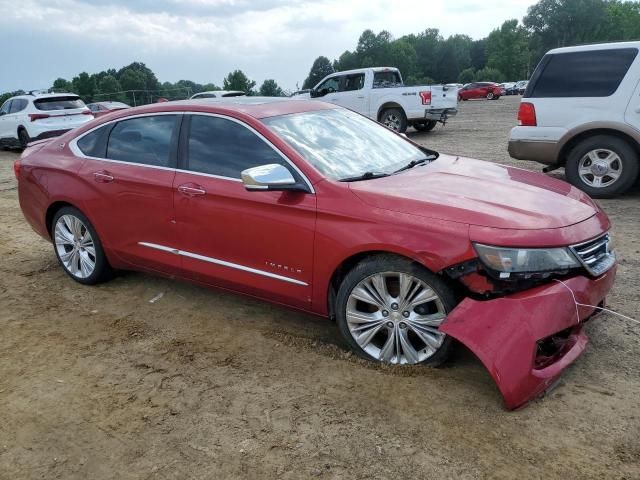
[380, 94]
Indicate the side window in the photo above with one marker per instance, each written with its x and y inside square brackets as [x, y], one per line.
[18, 105]
[225, 148]
[385, 79]
[145, 140]
[329, 86]
[94, 144]
[5, 107]
[595, 73]
[352, 82]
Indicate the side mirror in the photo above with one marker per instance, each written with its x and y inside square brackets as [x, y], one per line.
[313, 93]
[270, 177]
[2, 113]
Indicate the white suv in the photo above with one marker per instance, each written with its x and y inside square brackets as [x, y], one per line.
[581, 111]
[30, 117]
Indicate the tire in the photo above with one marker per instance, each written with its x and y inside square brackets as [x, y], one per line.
[490, 96]
[395, 119]
[425, 126]
[602, 166]
[379, 331]
[23, 138]
[66, 233]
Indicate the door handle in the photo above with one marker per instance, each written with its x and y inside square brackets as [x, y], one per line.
[360, 96]
[103, 177]
[191, 191]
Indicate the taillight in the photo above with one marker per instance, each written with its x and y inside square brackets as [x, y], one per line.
[527, 115]
[426, 98]
[38, 116]
[16, 169]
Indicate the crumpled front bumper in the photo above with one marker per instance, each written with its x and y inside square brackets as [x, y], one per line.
[504, 332]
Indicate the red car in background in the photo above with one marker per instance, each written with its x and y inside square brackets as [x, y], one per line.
[103, 108]
[488, 90]
[318, 208]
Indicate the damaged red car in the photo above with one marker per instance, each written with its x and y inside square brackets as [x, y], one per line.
[318, 208]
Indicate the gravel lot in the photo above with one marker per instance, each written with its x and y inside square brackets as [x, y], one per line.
[99, 383]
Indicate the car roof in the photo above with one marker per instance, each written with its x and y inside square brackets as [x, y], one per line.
[256, 107]
[595, 46]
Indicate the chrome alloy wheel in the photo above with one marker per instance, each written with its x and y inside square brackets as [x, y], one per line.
[392, 121]
[75, 246]
[600, 168]
[394, 317]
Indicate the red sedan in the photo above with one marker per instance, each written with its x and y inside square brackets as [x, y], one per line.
[315, 207]
[488, 90]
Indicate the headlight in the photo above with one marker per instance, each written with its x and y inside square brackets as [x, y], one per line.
[506, 261]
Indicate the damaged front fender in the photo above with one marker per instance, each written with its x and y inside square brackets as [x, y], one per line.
[507, 333]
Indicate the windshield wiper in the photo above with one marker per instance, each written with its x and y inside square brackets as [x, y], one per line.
[364, 176]
[414, 163]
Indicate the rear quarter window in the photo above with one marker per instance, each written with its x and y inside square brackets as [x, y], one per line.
[595, 73]
[94, 144]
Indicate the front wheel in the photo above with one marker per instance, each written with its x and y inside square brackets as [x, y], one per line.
[395, 119]
[78, 248]
[490, 96]
[425, 126]
[602, 166]
[389, 309]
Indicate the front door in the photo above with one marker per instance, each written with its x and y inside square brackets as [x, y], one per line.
[255, 242]
[130, 168]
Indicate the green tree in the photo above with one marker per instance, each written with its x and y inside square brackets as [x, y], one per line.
[270, 88]
[347, 61]
[62, 85]
[467, 75]
[508, 50]
[623, 20]
[454, 55]
[85, 86]
[559, 23]
[110, 89]
[134, 82]
[321, 68]
[488, 74]
[237, 80]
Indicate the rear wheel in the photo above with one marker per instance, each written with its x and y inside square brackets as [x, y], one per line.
[395, 119]
[78, 248]
[602, 166]
[425, 126]
[389, 309]
[23, 138]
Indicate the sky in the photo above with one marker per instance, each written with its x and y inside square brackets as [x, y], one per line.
[203, 40]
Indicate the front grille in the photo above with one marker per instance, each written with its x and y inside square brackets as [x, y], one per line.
[595, 255]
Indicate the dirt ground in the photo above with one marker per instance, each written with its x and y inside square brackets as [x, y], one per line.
[99, 383]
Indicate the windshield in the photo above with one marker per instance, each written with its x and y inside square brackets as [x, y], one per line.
[343, 144]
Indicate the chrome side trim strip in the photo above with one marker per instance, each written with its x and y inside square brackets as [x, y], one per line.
[223, 263]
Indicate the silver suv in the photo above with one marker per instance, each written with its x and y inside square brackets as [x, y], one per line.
[581, 111]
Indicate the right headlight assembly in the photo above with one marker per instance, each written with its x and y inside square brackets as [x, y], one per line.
[526, 262]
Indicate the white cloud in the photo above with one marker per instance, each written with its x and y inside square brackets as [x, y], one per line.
[204, 39]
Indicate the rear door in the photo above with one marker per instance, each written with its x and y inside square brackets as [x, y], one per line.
[130, 167]
[257, 242]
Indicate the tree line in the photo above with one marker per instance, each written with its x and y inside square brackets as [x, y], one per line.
[136, 84]
[508, 53]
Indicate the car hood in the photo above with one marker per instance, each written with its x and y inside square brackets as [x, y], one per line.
[479, 193]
